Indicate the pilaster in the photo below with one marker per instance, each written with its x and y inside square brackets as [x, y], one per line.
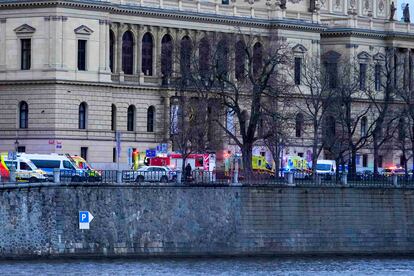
[3, 48]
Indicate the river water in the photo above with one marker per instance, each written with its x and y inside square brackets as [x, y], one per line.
[230, 266]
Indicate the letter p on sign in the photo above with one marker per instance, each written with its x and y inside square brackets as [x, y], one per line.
[85, 217]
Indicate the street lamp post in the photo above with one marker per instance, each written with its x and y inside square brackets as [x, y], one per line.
[16, 145]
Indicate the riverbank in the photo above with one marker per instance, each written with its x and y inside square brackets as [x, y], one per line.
[174, 221]
[208, 266]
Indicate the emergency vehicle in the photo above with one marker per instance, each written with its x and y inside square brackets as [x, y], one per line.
[205, 162]
[81, 164]
[25, 169]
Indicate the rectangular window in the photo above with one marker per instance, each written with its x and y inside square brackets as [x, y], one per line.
[26, 54]
[21, 149]
[82, 55]
[380, 161]
[332, 74]
[378, 69]
[365, 160]
[362, 76]
[84, 153]
[46, 164]
[114, 155]
[225, 2]
[298, 70]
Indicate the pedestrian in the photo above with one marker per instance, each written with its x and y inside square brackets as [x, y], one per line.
[188, 172]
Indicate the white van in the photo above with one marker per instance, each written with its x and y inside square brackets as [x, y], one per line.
[50, 162]
[326, 167]
[26, 170]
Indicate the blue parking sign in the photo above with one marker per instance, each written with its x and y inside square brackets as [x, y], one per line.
[83, 217]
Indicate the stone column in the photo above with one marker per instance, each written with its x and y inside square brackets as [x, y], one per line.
[176, 51]
[102, 45]
[65, 36]
[156, 61]
[55, 41]
[3, 48]
[411, 67]
[407, 69]
[118, 50]
[392, 65]
[138, 50]
[232, 60]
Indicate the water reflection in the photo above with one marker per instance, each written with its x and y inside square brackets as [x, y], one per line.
[230, 266]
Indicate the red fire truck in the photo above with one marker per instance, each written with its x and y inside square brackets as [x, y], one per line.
[205, 162]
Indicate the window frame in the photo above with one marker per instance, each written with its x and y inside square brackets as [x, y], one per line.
[23, 52]
[151, 118]
[131, 118]
[83, 120]
[82, 55]
[23, 120]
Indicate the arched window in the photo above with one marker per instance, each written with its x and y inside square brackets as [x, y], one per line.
[299, 125]
[111, 50]
[204, 58]
[166, 56]
[83, 109]
[131, 118]
[23, 115]
[257, 58]
[185, 57]
[364, 123]
[222, 58]
[127, 53]
[147, 54]
[150, 118]
[240, 60]
[113, 117]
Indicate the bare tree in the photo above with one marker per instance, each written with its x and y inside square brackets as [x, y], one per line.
[382, 99]
[352, 111]
[314, 96]
[276, 128]
[241, 74]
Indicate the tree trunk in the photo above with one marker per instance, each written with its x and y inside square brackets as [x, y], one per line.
[247, 149]
[376, 156]
[315, 152]
[277, 162]
[352, 165]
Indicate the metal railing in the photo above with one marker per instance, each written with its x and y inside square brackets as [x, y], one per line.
[218, 178]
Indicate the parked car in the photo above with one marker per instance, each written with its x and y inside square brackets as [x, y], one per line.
[151, 174]
[326, 168]
[393, 171]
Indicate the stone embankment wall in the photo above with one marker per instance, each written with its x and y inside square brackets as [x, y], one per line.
[203, 221]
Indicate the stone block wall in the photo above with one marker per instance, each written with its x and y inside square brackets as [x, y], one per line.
[204, 221]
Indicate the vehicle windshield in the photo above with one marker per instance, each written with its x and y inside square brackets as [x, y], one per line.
[323, 167]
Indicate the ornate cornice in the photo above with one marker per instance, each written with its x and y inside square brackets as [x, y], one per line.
[166, 13]
[348, 32]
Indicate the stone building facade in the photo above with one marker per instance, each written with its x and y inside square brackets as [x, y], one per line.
[72, 73]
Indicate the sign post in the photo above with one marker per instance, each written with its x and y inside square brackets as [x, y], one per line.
[118, 147]
[85, 217]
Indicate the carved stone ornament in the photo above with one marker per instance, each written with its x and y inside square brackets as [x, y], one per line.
[295, 1]
[24, 29]
[381, 5]
[83, 30]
